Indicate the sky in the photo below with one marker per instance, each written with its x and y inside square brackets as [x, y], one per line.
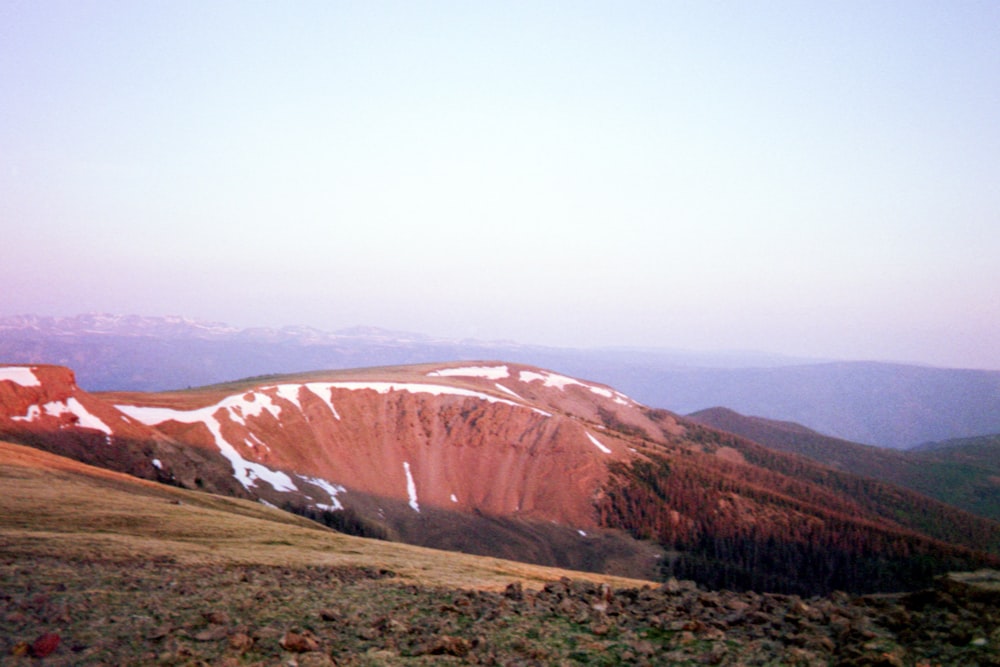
[809, 178]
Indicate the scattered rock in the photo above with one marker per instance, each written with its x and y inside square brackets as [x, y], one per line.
[299, 642]
[45, 645]
[211, 635]
[159, 632]
[514, 591]
[445, 645]
[240, 642]
[216, 617]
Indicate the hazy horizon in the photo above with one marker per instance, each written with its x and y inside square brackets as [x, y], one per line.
[793, 178]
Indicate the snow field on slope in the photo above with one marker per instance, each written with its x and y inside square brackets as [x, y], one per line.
[486, 372]
[245, 472]
[433, 389]
[71, 406]
[561, 382]
[21, 375]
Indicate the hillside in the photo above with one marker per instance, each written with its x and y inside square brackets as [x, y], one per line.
[57, 507]
[963, 473]
[974, 467]
[102, 568]
[511, 461]
[889, 405]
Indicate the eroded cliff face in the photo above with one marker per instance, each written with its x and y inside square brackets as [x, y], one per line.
[498, 440]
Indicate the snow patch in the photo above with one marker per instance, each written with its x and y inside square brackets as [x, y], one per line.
[22, 375]
[257, 442]
[411, 487]
[250, 404]
[418, 388]
[549, 379]
[71, 406]
[290, 392]
[600, 391]
[321, 390]
[508, 391]
[561, 382]
[247, 473]
[487, 372]
[583, 533]
[598, 444]
[331, 489]
[34, 412]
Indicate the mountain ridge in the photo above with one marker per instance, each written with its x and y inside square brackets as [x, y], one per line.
[507, 460]
[889, 405]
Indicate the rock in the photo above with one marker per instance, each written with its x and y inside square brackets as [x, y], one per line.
[211, 635]
[600, 628]
[299, 642]
[514, 591]
[329, 615]
[675, 586]
[315, 660]
[216, 617]
[45, 644]
[981, 585]
[644, 647]
[240, 642]
[160, 632]
[445, 645]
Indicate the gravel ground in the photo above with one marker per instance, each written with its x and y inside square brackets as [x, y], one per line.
[56, 612]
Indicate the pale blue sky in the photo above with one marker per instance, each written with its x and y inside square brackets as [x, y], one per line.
[815, 178]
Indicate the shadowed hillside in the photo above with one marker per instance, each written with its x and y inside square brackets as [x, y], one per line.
[963, 473]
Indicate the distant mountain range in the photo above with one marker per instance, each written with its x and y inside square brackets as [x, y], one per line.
[515, 461]
[889, 405]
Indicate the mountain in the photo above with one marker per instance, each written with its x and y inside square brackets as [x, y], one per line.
[963, 473]
[889, 405]
[510, 460]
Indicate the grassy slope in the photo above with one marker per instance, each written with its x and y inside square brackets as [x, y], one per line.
[52, 506]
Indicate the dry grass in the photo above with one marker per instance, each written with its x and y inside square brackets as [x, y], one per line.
[52, 506]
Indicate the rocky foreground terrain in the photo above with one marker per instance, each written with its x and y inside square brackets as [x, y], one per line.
[61, 612]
